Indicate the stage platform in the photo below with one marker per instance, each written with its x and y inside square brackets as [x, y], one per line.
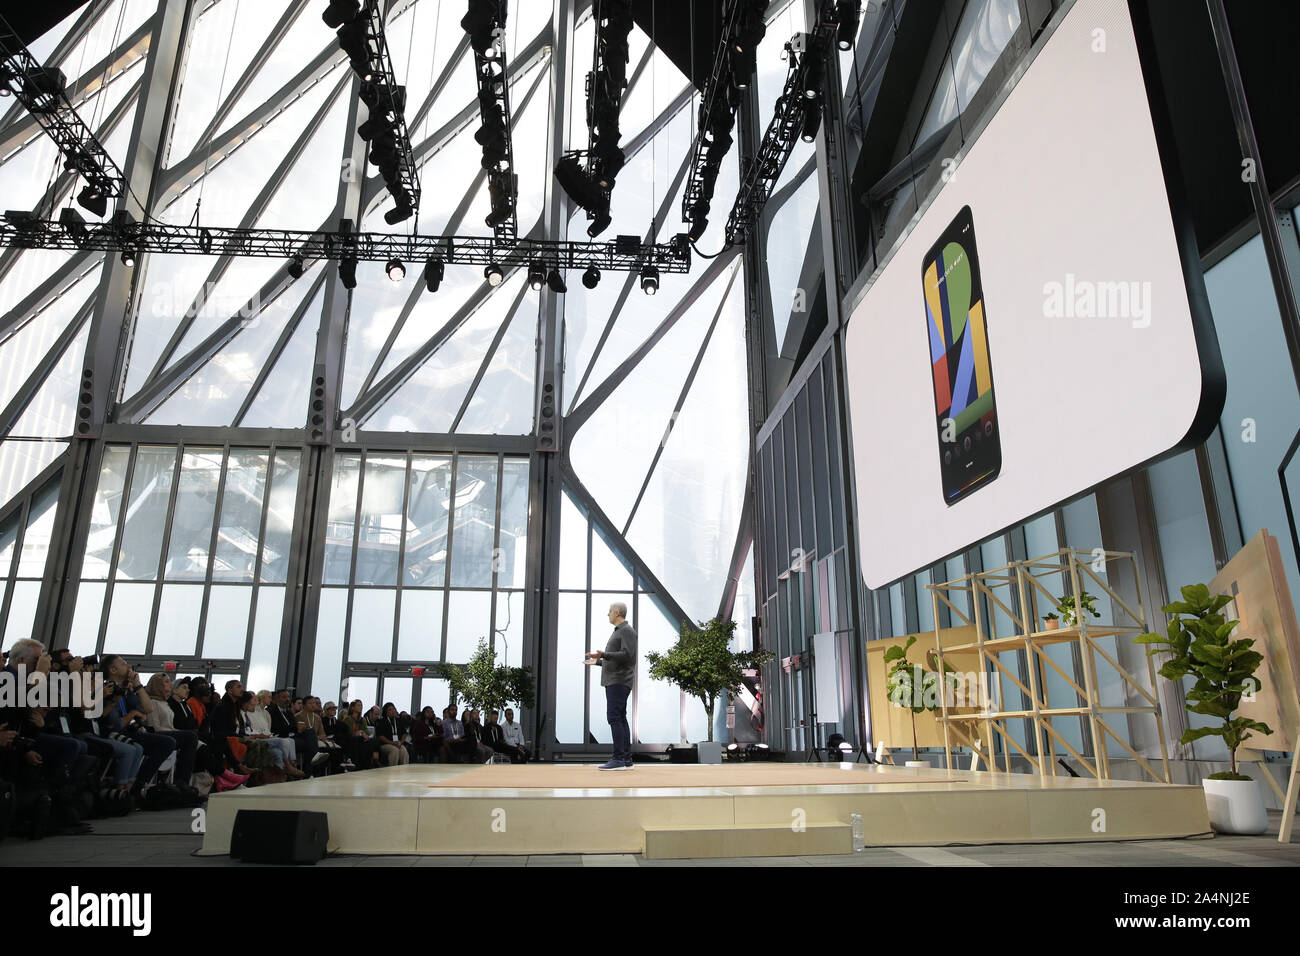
[690, 811]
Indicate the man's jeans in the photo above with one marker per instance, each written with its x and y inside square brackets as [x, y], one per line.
[616, 711]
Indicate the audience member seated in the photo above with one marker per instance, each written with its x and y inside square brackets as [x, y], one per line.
[365, 753]
[388, 735]
[474, 748]
[226, 724]
[284, 724]
[330, 756]
[495, 737]
[159, 720]
[126, 720]
[284, 752]
[514, 735]
[426, 736]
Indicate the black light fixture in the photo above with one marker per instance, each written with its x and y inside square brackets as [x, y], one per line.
[433, 272]
[340, 12]
[295, 267]
[813, 79]
[74, 223]
[348, 273]
[479, 22]
[846, 13]
[555, 281]
[649, 280]
[591, 277]
[812, 120]
[536, 275]
[492, 272]
[128, 257]
[396, 271]
[401, 212]
[93, 199]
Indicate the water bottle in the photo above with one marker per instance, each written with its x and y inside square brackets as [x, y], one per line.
[859, 832]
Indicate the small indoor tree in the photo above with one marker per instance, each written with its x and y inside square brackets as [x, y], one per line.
[1199, 641]
[703, 664]
[912, 687]
[483, 684]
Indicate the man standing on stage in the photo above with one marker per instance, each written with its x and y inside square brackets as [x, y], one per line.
[618, 666]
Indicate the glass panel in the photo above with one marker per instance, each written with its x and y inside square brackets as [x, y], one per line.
[241, 516]
[364, 689]
[419, 631]
[425, 561]
[371, 635]
[503, 401]
[573, 545]
[607, 572]
[21, 461]
[264, 657]
[226, 632]
[435, 693]
[510, 628]
[279, 517]
[178, 620]
[151, 484]
[196, 504]
[397, 691]
[83, 637]
[571, 644]
[475, 523]
[985, 28]
[22, 611]
[512, 555]
[128, 619]
[787, 246]
[469, 615]
[380, 536]
[281, 402]
[36, 539]
[342, 519]
[327, 666]
[658, 703]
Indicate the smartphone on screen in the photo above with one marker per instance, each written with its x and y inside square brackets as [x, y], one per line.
[961, 370]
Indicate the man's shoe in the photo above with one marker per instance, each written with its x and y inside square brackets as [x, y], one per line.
[612, 765]
[624, 766]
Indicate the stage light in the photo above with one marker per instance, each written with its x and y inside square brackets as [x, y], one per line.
[433, 272]
[649, 280]
[846, 12]
[348, 273]
[536, 275]
[399, 213]
[340, 12]
[295, 267]
[72, 221]
[396, 271]
[599, 224]
[555, 281]
[698, 226]
[128, 257]
[813, 79]
[591, 278]
[812, 121]
[352, 40]
[493, 274]
[479, 22]
[93, 200]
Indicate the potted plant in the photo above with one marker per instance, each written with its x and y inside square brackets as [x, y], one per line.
[1051, 622]
[486, 686]
[1200, 644]
[913, 687]
[1070, 612]
[703, 664]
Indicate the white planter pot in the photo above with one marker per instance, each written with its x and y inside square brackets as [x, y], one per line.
[918, 763]
[1235, 806]
[709, 752]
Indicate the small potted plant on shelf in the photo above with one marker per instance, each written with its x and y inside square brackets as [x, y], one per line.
[1200, 644]
[914, 688]
[1070, 609]
[1051, 622]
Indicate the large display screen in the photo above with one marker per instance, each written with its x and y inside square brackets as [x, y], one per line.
[1059, 350]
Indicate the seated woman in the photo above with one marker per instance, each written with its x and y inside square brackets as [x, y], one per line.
[365, 753]
[426, 736]
[388, 735]
[257, 725]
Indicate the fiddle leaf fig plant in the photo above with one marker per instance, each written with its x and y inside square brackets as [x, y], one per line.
[911, 686]
[1200, 644]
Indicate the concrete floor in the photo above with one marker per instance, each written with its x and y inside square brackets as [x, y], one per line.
[166, 839]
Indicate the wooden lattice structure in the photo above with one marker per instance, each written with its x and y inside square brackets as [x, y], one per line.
[975, 726]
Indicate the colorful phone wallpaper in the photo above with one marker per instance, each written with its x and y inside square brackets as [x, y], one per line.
[970, 452]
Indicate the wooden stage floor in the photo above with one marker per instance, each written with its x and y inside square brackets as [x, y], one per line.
[685, 811]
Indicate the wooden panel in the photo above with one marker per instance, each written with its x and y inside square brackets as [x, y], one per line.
[1256, 578]
[892, 725]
